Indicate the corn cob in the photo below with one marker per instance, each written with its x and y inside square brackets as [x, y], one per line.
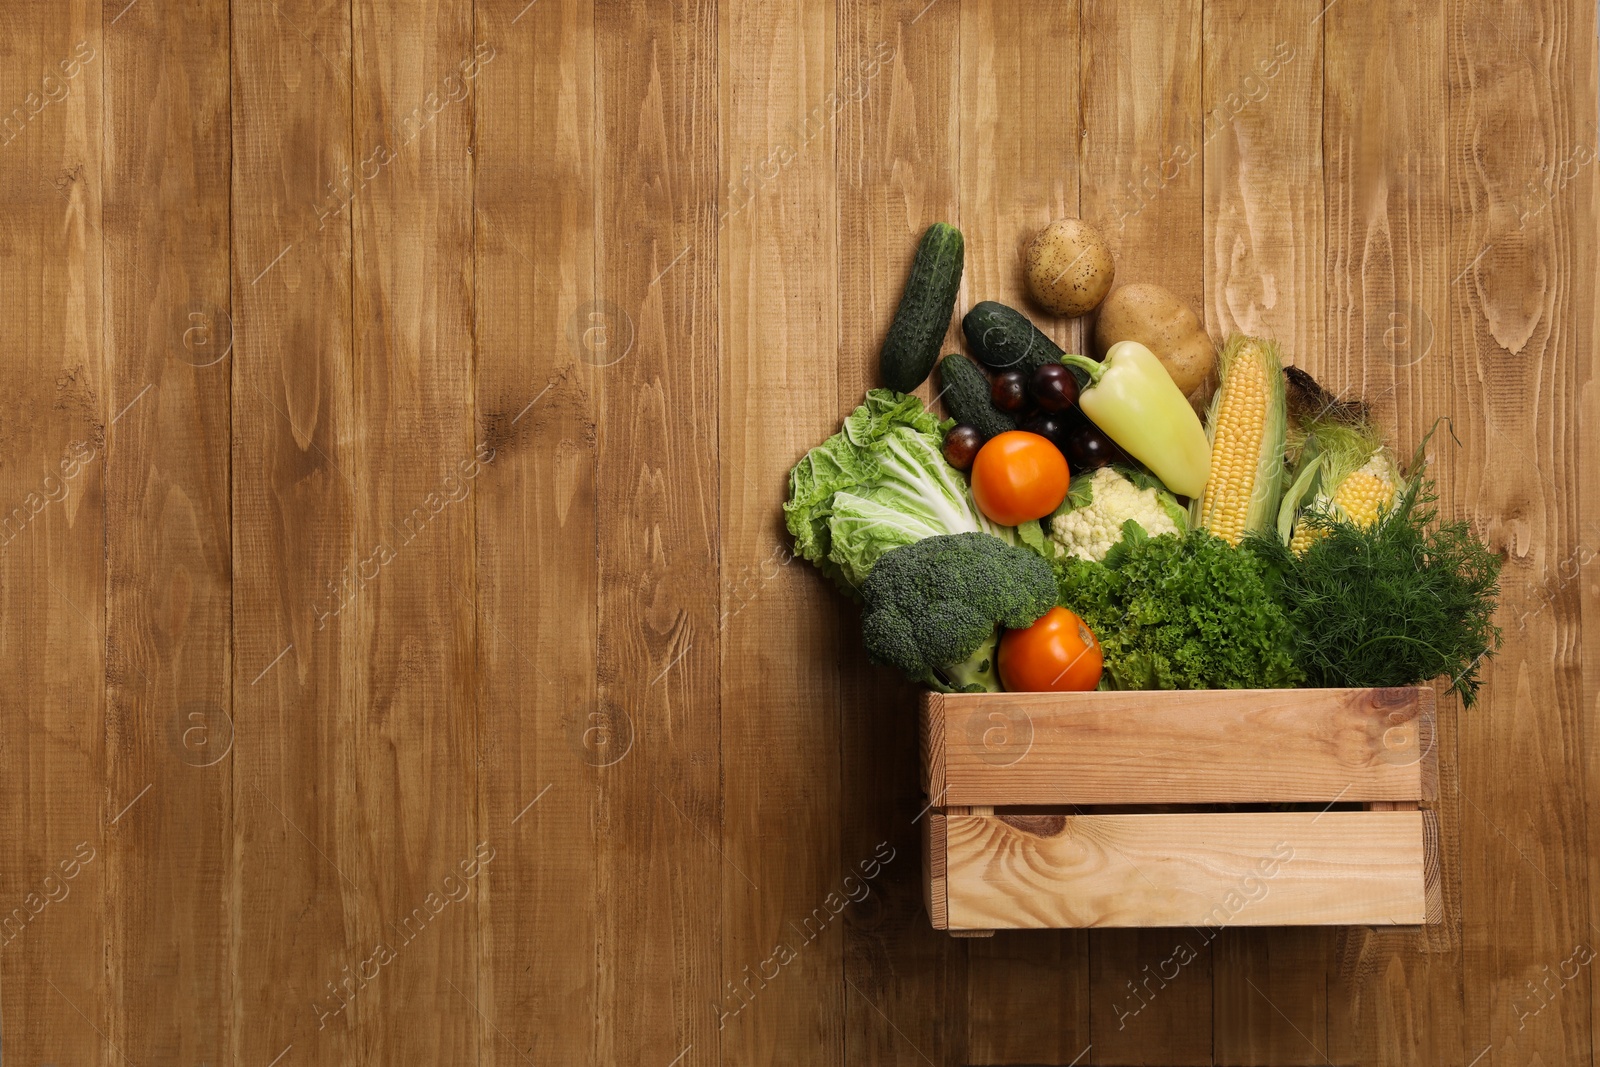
[1246, 429]
[1362, 496]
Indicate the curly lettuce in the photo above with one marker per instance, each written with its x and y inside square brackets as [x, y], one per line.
[1182, 611]
[879, 483]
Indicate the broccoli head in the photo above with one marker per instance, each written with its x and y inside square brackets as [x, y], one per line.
[932, 607]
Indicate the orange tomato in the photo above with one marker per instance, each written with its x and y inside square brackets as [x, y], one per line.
[1019, 476]
[1057, 654]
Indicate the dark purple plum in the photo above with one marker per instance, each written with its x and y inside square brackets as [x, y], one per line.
[1010, 391]
[961, 446]
[1054, 387]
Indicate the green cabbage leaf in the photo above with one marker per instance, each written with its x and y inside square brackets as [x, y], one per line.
[881, 482]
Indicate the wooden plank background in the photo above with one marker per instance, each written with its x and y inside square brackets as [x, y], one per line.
[407, 661]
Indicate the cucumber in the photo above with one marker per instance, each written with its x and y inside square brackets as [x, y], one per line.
[919, 325]
[965, 389]
[1003, 339]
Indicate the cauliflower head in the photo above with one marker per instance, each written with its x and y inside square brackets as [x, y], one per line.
[1090, 520]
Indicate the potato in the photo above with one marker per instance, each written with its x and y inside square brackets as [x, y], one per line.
[1164, 324]
[1068, 266]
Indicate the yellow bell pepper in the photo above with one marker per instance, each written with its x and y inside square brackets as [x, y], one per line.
[1133, 399]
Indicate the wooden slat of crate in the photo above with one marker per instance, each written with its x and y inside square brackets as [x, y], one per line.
[935, 884]
[1199, 747]
[1007, 871]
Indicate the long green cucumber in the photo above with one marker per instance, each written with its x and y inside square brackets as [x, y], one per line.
[912, 346]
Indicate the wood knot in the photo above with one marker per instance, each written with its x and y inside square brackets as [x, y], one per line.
[1037, 825]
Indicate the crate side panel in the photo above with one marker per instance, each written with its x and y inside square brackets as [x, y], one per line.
[1202, 747]
[1207, 870]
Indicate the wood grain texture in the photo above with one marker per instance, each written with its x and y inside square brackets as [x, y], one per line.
[779, 311]
[1143, 146]
[1583, 83]
[1020, 146]
[897, 169]
[1521, 257]
[935, 869]
[1583, 208]
[1020, 157]
[1262, 153]
[53, 802]
[1151, 999]
[1205, 869]
[294, 548]
[546, 742]
[1143, 139]
[168, 534]
[1183, 748]
[1266, 274]
[1391, 993]
[930, 745]
[410, 821]
[585, 260]
[659, 812]
[1432, 876]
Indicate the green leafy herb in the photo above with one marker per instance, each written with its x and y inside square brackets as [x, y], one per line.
[1181, 612]
[1400, 601]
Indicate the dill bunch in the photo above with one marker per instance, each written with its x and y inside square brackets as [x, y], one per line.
[1397, 602]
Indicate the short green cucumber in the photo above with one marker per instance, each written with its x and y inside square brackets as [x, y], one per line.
[912, 346]
[965, 391]
[1003, 339]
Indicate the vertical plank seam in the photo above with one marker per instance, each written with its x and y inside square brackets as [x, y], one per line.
[838, 636]
[475, 927]
[722, 631]
[714, 228]
[1457, 935]
[235, 895]
[108, 927]
[838, 674]
[1594, 291]
[1593, 300]
[350, 916]
[1577, 411]
[603, 906]
[715, 248]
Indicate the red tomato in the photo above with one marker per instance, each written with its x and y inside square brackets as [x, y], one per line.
[1057, 654]
[1019, 476]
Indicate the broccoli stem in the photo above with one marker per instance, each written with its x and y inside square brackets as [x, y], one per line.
[979, 672]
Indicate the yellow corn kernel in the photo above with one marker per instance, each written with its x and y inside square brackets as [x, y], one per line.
[1235, 448]
[1303, 536]
[1361, 498]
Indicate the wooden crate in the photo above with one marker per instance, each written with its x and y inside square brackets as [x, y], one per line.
[1056, 810]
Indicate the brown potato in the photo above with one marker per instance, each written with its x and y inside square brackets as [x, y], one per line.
[1068, 266]
[1164, 324]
